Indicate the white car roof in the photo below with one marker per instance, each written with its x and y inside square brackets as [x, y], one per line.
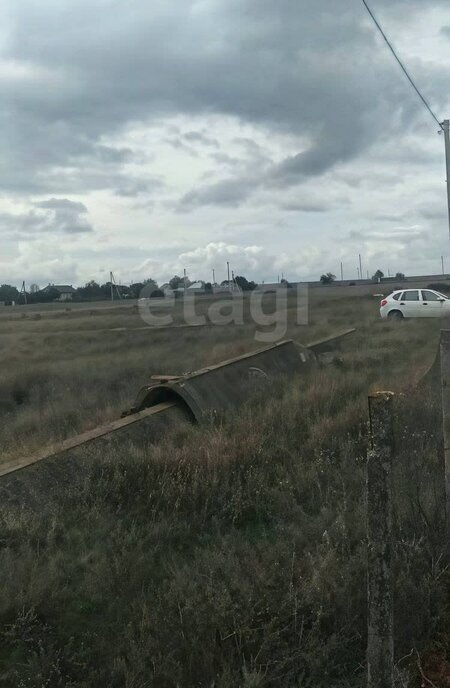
[402, 291]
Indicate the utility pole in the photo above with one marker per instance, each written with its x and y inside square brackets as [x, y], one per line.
[342, 273]
[442, 263]
[360, 267]
[228, 273]
[214, 277]
[113, 284]
[446, 129]
[357, 270]
[24, 292]
[184, 282]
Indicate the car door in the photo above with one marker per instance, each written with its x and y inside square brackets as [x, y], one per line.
[410, 304]
[432, 304]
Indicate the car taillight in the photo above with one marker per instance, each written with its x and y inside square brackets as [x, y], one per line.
[383, 302]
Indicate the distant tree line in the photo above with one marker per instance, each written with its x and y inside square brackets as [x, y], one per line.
[329, 278]
[93, 291]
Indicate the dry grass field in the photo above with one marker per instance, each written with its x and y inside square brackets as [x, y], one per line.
[65, 372]
[226, 556]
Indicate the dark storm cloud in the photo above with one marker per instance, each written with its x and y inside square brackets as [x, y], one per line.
[87, 69]
[56, 215]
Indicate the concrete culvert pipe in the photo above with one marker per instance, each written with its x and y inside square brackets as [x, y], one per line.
[229, 384]
[161, 406]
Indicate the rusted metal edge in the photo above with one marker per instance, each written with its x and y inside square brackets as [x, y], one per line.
[73, 442]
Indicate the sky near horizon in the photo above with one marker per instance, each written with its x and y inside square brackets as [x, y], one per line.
[148, 137]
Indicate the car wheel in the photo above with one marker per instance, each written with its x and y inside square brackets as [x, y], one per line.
[395, 315]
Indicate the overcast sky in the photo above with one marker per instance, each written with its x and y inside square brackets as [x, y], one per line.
[148, 137]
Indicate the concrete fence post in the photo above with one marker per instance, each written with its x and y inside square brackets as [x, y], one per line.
[444, 353]
[380, 643]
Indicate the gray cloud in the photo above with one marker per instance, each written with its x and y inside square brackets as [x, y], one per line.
[202, 138]
[404, 234]
[228, 193]
[297, 120]
[56, 215]
[389, 217]
[293, 66]
[179, 144]
[433, 212]
[305, 207]
[62, 204]
[224, 159]
[129, 187]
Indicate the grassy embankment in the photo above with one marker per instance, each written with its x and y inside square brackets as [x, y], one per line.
[226, 556]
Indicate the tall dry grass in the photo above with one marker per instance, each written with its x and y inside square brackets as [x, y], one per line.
[233, 554]
[57, 382]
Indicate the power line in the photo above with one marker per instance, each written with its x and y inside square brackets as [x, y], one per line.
[405, 71]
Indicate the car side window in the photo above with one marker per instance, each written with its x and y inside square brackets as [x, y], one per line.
[411, 295]
[429, 295]
[397, 296]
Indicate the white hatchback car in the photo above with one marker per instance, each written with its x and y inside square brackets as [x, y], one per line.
[415, 303]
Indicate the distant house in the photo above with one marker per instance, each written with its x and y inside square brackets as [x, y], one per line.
[66, 291]
[194, 288]
[226, 287]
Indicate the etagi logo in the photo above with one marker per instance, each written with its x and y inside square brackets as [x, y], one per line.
[270, 310]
